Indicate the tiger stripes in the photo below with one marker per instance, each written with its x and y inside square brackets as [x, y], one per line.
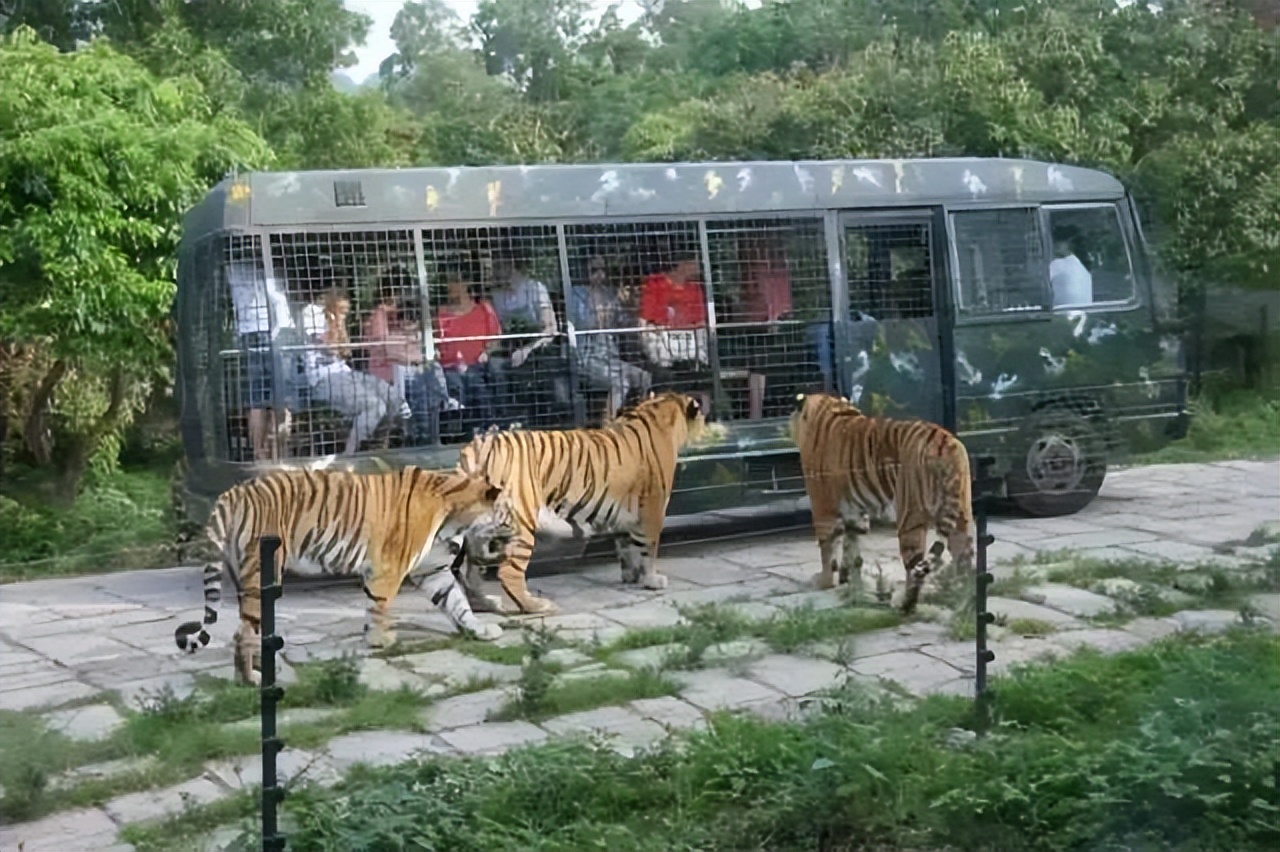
[856, 467]
[377, 526]
[615, 480]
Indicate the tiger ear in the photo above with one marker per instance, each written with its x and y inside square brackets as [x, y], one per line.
[653, 394]
[800, 398]
[492, 493]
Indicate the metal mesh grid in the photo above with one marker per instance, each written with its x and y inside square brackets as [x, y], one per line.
[638, 307]
[1000, 261]
[497, 303]
[890, 269]
[1094, 237]
[773, 313]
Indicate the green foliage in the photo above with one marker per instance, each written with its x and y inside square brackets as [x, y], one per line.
[120, 521]
[1167, 747]
[1226, 423]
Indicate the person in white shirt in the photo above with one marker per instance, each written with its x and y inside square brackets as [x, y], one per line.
[261, 313]
[364, 398]
[1071, 282]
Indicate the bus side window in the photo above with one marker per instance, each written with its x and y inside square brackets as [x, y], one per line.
[1091, 263]
[1000, 266]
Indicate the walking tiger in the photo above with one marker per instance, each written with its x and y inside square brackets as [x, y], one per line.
[379, 526]
[615, 480]
[855, 466]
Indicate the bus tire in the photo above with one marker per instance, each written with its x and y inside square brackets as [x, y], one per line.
[1061, 468]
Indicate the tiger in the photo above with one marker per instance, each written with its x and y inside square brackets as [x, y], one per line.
[380, 526]
[615, 480]
[855, 466]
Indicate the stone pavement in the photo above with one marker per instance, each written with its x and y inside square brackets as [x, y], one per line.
[96, 646]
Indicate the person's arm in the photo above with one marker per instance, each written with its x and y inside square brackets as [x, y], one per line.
[547, 316]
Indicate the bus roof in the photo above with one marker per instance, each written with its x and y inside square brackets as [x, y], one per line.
[513, 194]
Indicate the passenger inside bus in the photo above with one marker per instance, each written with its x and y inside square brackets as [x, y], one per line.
[261, 313]
[531, 361]
[673, 319]
[1070, 280]
[598, 314]
[466, 362]
[396, 356]
[366, 399]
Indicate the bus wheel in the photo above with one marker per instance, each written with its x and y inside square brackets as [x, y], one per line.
[1062, 467]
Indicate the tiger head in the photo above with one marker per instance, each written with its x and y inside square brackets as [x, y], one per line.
[810, 407]
[671, 410]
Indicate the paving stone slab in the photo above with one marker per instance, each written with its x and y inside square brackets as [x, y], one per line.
[91, 723]
[1106, 640]
[83, 828]
[651, 657]
[716, 689]
[293, 766]
[796, 676]
[566, 657]
[1206, 620]
[592, 673]
[1012, 609]
[887, 640]
[381, 748]
[462, 711]
[815, 600]
[655, 613]
[626, 730]
[49, 695]
[101, 771]
[151, 805]
[1069, 599]
[493, 737]
[287, 718]
[1168, 550]
[138, 693]
[781, 709]
[738, 649]
[1267, 604]
[381, 676]
[1151, 629]
[670, 712]
[753, 610]
[912, 670]
[455, 669]
[703, 570]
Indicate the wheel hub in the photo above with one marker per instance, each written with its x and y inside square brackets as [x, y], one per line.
[1055, 463]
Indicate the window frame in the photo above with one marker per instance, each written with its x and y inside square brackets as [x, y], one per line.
[960, 314]
[1095, 306]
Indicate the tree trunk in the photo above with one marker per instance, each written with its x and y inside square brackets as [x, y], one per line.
[35, 432]
[71, 452]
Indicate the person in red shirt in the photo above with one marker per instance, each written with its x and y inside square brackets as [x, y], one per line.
[467, 330]
[673, 314]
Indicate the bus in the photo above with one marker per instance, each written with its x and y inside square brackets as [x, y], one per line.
[368, 319]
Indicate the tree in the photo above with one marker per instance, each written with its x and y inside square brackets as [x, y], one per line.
[101, 160]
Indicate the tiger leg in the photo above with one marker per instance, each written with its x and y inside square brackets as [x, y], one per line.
[630, 549]
[851, 558]
[828, 528]
[913, 532]
[471, 578]
[652, 516]
[381, 587]
[447, 594]
[511, 575]
[247, 642]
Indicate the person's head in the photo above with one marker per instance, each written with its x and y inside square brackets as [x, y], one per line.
[509, 266]
[458, 287]
[684, 267]
[597, 271]
[1064, 241]
[393, 285]
[336, 302]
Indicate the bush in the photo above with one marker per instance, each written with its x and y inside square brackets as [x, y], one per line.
[1170, 747]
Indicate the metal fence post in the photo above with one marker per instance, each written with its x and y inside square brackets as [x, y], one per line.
[272, 793]
[983, 485]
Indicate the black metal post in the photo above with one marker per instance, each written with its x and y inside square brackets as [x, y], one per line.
[982, 539]
[272, 793]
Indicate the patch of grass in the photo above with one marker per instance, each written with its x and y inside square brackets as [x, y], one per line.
[184, 831]
[1144, 588]
[576, 695]
[1226, 423]
[121, 521]
[1169, 747]
[1030, 627]
[710, 624]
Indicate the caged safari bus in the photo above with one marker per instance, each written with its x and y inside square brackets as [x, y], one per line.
[374, 318]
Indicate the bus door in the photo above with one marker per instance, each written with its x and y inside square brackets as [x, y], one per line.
[891, 353]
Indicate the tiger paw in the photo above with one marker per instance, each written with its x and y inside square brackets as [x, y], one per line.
[655, 582]
[823, 580]
[538, 606]
[487, 632]
[380, 638]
